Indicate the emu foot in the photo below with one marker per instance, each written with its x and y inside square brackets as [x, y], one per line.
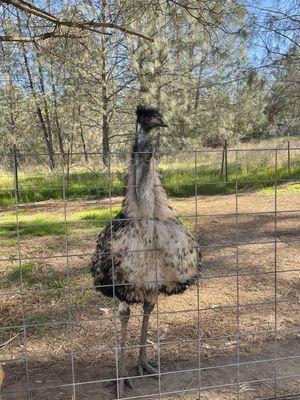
[120, 388]
[122, 383]
[145, 367]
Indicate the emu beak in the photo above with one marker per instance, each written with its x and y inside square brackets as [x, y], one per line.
[163, 124]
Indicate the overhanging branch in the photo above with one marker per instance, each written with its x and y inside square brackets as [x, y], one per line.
[30, 39]
[57, 22]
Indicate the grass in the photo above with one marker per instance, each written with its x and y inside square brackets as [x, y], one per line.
[55, 301]
[32, 226]
[255, 167]
[40, 187]
[254, 171]
[292, 188]
[181, 182]
[179, 179]
[96, 217]
[30, 277]
[48, 224]
[26, 270]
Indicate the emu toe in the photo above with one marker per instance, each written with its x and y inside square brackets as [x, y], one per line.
[146, 367]
[120, 387]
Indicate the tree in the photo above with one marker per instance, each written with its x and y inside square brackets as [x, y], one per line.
[82, 69]
[283, 107]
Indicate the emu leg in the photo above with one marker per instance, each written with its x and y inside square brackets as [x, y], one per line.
[143, 364]
[124, 314]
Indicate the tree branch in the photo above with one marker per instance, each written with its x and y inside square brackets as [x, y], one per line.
[85, 25]
[30, 39]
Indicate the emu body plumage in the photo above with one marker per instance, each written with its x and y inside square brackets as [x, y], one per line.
[145, 251]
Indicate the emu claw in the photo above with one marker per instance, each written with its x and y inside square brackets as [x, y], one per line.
[120, 387]
[145, 366]
[128, 382]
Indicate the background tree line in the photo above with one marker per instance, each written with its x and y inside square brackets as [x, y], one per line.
[73, 72]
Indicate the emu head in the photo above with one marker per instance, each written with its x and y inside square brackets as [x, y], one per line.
[149, 118]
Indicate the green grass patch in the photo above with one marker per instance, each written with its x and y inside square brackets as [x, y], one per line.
[48, 224]
[8, 243]
[50, 186]
[30, 277]
[32, 226]
[26, 270]
[178, 177]
[182, 182]
[290, 188]
[84, 299]
[40, 322]
[96, 217]
[53, 283]
[178, 181]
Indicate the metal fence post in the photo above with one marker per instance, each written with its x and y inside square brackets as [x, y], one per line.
[16, 177]
[222, 165]
[289, 158]
[226, 164]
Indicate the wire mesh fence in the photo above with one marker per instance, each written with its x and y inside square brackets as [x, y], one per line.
[235, 334]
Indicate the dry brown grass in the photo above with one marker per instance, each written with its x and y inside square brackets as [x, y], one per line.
[51, 339]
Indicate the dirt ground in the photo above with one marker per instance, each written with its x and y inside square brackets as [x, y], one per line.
[226, 335]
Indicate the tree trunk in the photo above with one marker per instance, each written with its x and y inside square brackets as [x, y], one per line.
[105, 120]
[191, 64]
[56, 119]
[46, 109]
[37, 106]
[12, 109]
[39, 112]
[158, 137]
[81, 135]
[198, 87]
[105, 138]
[199, 80]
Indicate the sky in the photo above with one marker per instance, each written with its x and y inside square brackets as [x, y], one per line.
[261, 8]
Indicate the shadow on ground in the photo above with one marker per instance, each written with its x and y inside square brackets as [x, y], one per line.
[258, 375]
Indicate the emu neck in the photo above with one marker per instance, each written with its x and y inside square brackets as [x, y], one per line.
[145, 197]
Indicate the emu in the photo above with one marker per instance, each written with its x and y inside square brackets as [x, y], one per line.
[145, 251]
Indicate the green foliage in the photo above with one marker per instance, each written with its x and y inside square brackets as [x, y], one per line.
[283, 106]
[80, 95]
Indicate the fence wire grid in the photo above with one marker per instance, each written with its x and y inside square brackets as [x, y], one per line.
[235, 334]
